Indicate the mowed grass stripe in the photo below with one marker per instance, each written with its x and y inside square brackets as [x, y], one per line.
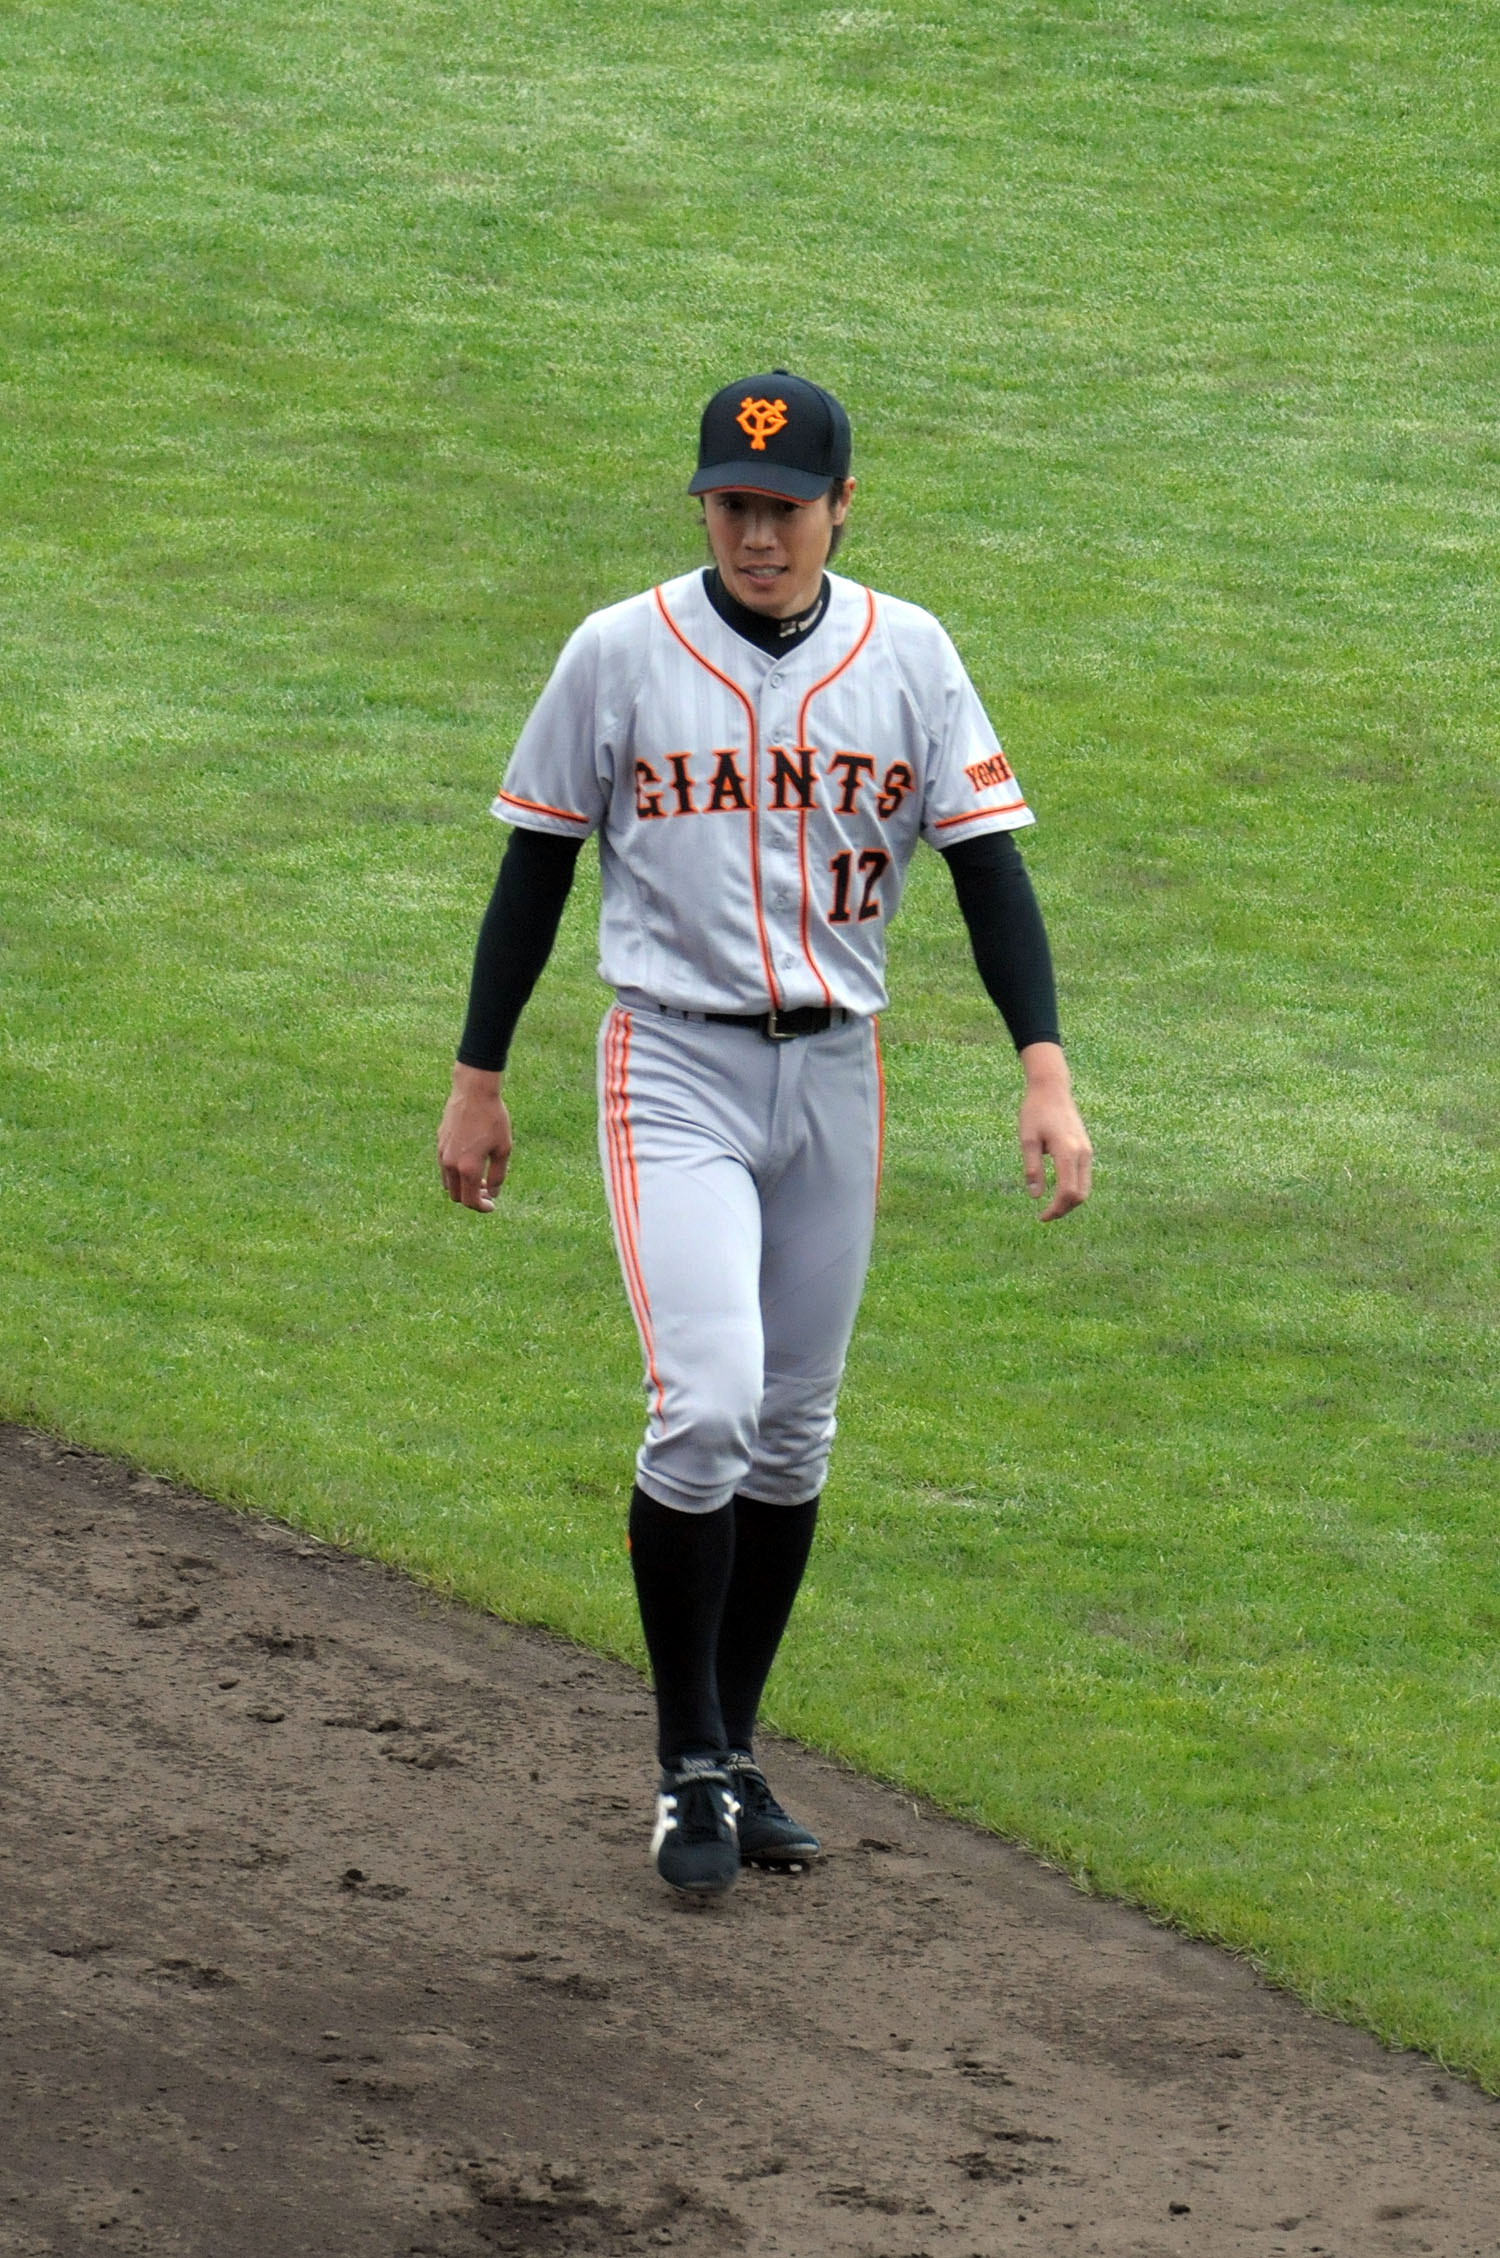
[348, 357]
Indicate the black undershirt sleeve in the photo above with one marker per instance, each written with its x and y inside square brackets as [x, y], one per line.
[515, 941]
[1006, 934]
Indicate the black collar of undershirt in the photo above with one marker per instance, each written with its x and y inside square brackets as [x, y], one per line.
[773, 635]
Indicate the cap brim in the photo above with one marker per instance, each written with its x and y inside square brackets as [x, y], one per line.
[754, 477]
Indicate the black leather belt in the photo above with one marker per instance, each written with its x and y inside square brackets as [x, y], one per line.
[776, 1026]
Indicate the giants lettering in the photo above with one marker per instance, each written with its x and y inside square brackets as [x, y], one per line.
[995, 770]
[898, 782]
[856, 768]
[792, 771]
[682, 783]
[727, 790]
[647, 803]
[793, 783]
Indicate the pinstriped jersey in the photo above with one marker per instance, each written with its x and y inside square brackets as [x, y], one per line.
[757, 811]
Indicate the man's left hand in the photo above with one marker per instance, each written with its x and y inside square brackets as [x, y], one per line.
[1051, 1127]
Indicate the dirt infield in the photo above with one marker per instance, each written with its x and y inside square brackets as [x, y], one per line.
[326, 1927]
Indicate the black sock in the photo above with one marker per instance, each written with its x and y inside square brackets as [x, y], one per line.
[771, 1545]
[682, 1564]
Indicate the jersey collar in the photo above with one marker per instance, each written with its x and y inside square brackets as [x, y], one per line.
[687, 600]
[773, 636]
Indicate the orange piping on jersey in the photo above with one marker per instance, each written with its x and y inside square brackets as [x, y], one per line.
[981, 815]
[848, 659]
[709, 667]
[806, 938]
[540, 807]
[833, 673]
[880, 1128]
[624, 1186]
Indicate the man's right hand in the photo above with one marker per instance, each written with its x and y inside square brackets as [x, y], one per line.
[473, 1139]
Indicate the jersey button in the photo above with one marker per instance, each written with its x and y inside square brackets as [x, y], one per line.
[776, 681]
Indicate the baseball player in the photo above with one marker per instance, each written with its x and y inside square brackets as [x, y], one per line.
[758, 748]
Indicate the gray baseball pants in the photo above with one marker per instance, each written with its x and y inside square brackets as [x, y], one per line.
[741, 1176]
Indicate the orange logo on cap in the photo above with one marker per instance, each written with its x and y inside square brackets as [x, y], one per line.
[760, 420]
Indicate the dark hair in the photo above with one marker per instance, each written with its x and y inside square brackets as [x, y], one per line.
[836, 493]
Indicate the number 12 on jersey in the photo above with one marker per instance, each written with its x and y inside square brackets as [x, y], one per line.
[872, 863]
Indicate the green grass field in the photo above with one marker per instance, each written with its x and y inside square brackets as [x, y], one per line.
[349, 355]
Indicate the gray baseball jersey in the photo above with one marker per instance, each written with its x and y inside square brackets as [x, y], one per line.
[756, 813]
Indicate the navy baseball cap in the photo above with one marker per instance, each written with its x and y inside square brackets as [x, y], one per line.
[775, 434]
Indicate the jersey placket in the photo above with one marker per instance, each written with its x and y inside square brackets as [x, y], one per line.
[751, 716]
[796, 729]
[782, 880]
[776, 762]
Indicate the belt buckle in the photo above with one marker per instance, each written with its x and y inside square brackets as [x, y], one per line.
[775, 1032]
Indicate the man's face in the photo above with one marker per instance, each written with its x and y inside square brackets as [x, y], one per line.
[771, 553]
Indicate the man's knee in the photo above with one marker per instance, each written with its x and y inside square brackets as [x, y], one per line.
[795, 1436]
[701, 1435]
[696, 1453]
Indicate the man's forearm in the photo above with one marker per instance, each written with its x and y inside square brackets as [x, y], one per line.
[515, 941]
[1008, 937]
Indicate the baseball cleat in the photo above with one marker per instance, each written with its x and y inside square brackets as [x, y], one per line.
[768, 1835]
[695, 1845]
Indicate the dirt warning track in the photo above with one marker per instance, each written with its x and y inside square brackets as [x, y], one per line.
[326, 1928]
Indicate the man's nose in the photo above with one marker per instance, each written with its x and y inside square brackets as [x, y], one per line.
[760, 529]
